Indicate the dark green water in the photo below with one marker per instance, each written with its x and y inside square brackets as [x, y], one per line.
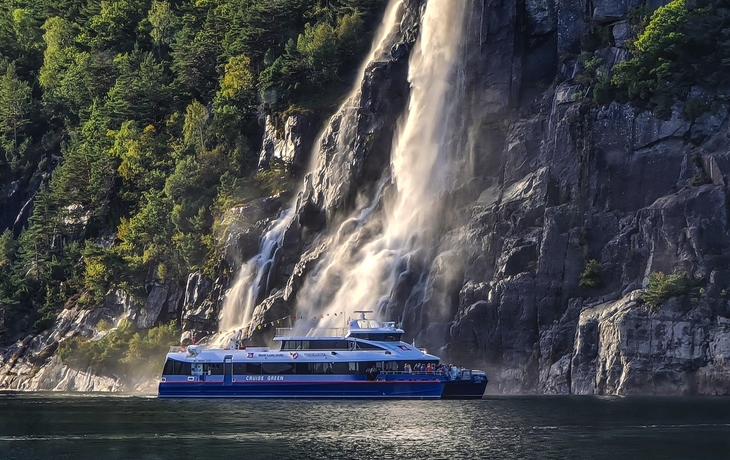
[43, 426]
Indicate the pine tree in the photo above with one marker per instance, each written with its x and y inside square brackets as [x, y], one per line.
[15, 102]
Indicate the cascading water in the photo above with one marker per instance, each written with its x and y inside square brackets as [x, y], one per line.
[395, 230]
[368, 252]
[251, 282]
[242, 297]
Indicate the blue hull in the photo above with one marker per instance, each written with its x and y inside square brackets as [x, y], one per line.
[338, 390]
[464, 389]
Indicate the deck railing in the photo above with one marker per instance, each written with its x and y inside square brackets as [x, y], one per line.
[411, 373]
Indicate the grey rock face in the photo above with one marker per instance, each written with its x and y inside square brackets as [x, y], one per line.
[541, 16]
[202, 303]
[163, 303]
[622, 33]
[30, 364]
[622, 348]
[243, 227]
[613, 10]
[611, 183]
[562, 182]
[288, 141]
[614, 188]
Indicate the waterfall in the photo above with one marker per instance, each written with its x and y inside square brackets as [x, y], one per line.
[395, 230]
[368, 253]
[252, 280]
[242, 297]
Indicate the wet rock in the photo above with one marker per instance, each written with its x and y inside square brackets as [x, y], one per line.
[202, 303]
[162, 304]
[289, 140]
[605, 11]
[244, 225]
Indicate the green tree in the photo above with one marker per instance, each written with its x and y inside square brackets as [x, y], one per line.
[196, 120]
[195, 62]
[318, 46]
[164, 23]
[15, 103]
[114, 26]
[235, 100]
[7, 249]
[27, 30]
[684, 44]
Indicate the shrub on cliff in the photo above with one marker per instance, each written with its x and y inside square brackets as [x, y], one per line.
[685, 43]
[662, 287]
[591, 276]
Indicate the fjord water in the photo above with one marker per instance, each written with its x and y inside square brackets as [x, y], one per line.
[80, 427]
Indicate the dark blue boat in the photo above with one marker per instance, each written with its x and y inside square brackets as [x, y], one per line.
[367, 360]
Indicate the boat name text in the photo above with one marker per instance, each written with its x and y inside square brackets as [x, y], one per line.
[264, 377]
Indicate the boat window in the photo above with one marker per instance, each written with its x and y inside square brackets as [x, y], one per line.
[212, 368]
[386, 337]
[301, 368]
[320, 368]
[314, 345]
[329, 345]
[295, 345]
[340, 368]
[390, 366]
[368, 346]
[168, 367]
[253, 368]
[277, 368]
[369, 365]
[391, 337]
[173, 367]
[239, 368]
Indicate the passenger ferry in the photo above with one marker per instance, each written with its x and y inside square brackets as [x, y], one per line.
[366, 360]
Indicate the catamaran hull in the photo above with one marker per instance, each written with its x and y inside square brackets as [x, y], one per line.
[464, 389]
[330, 390]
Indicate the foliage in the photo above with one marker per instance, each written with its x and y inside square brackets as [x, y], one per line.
[591, 276]
[125, 351]
[136, 121]
[7, 249]
[662, 287]
[15, 103]
[597, 38]
[683, 44]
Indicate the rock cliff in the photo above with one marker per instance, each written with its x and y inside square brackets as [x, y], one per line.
[613, 183]
[559, 181]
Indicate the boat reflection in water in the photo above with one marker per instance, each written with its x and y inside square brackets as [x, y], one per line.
[365, 360]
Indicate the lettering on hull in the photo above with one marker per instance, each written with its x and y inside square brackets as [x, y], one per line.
[264, 377]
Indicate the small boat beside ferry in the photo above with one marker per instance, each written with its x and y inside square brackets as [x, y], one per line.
[366, 360]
